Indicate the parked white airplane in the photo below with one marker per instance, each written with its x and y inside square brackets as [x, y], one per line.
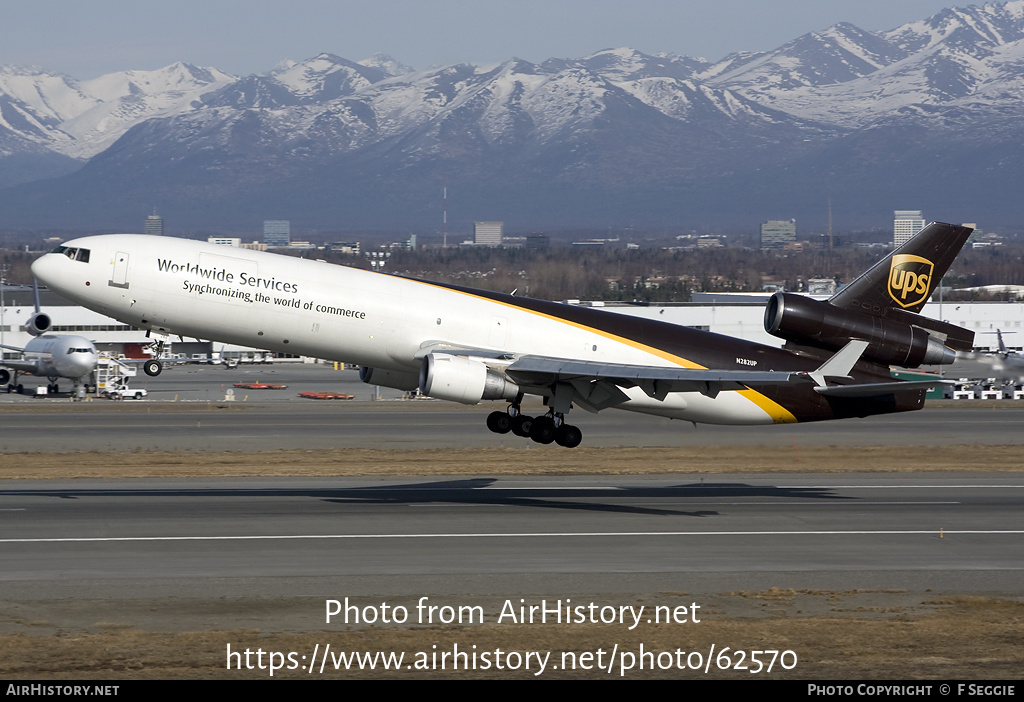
[49, 356]
[468, 345]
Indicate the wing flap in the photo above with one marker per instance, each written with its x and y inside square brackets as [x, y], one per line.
[655, 381]
[879, 389]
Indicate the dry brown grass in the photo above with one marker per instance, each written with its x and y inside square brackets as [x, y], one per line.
[959, 638]
[508, 461]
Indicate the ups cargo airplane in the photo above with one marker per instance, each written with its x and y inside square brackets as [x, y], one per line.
[466, 345]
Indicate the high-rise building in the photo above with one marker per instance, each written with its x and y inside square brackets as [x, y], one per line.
[488, 233]
[538, 240]
[776, 233]
[277, 232]
[154, 225]
[905, 224]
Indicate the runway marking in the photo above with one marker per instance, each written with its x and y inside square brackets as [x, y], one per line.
[894, 486]
[549, 487]
[810, 502]
[560, 535]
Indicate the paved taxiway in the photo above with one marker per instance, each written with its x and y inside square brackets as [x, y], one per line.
[186, 411]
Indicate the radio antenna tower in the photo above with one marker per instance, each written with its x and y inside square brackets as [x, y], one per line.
[444, 218]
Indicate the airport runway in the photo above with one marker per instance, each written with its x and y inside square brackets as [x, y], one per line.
[487, 536]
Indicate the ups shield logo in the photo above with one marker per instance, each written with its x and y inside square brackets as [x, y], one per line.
[910, 279]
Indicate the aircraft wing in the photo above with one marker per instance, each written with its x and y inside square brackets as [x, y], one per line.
[534, 369]
[659, 380]
[597, 386]
[20, 366]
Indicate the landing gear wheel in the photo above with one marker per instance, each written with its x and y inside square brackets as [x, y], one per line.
[521, 425]
[152, 367]
[568, 436]
[543, 430]
[499, 422]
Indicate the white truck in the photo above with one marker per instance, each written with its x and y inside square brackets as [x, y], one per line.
[123, 392]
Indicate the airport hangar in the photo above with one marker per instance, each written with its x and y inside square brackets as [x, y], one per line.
[739, 315]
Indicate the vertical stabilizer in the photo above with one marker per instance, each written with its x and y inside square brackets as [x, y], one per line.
[904, 279]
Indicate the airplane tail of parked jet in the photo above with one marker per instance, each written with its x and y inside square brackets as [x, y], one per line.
[466, 345]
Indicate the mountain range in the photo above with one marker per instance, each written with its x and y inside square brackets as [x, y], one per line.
[924, 116]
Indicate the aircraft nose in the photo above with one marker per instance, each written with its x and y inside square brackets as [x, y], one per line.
[85, 365]
[46, 269]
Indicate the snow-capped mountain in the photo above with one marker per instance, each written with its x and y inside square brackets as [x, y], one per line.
[81, 119]
[850, 78]
[839, 112]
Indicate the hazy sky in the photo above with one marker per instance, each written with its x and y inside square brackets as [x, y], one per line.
[85, 39]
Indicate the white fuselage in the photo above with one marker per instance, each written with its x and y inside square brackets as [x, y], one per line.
[313, 308]
[59, 356]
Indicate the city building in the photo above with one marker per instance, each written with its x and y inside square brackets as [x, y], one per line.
[777, 233]
[345, 247]
[538, 241]
[277, 232]
[906, 223]
[488, 233]
[225, 241]
[154, 225]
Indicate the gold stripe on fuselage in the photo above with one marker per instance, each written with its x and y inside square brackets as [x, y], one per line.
[778, 413]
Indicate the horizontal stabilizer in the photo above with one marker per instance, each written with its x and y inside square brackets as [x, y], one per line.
[840, 365]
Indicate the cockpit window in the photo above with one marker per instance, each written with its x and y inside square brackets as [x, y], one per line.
[73, 253]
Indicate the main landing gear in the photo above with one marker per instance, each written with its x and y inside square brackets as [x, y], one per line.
[544, 429]
[153, 367]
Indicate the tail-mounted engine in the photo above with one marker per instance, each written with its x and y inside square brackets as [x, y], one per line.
[38, 324]
[463, 380]
[891, 342]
